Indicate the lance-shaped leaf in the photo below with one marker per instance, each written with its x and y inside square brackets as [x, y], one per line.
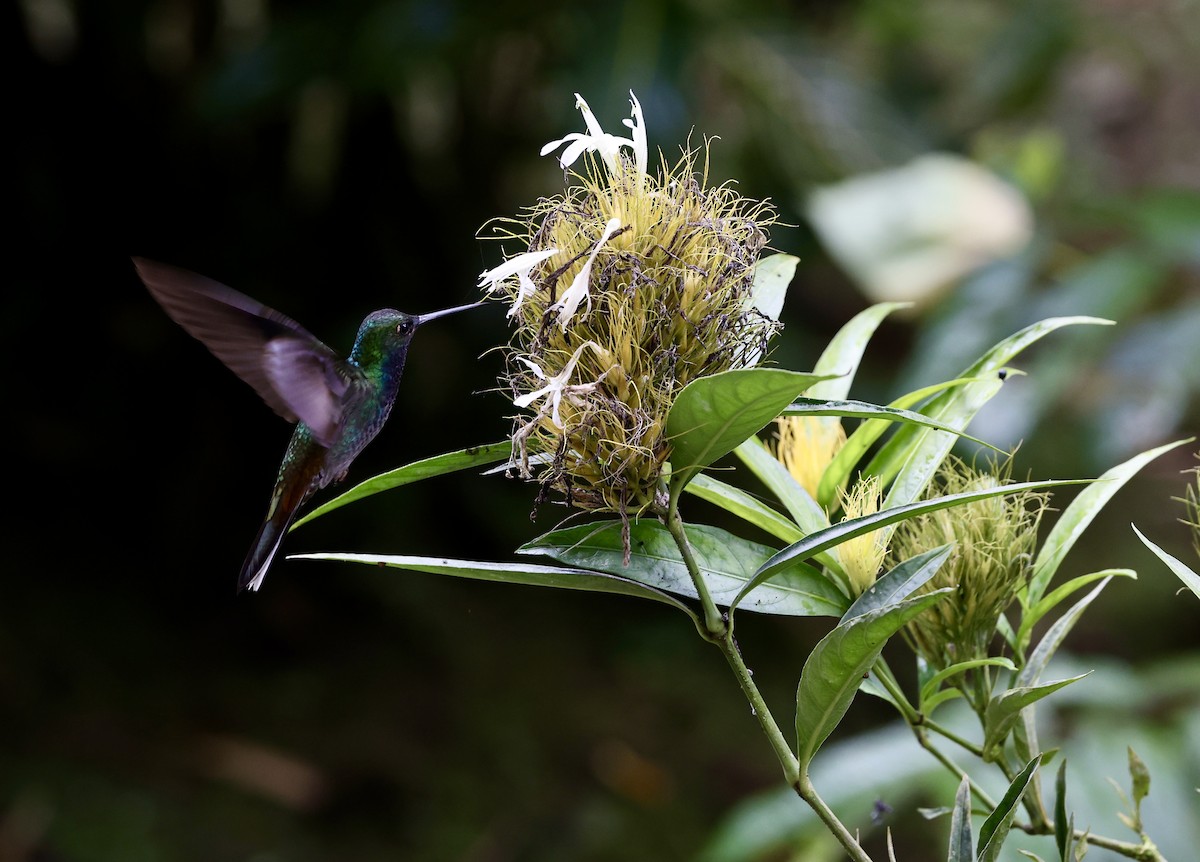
[772, 275]
[713, 414]
[840, 532]
[1003, 710]
[844, 462]
[1031, 616]
[1076, 517]
[800, 505]
[726, 563]
[962, 843]
[933, 695]
[865, 410]
[995, 828]
[836, 667]
[901, 582]
[511, 573]
[844, 351]
[913, 454]
[1190, 579]
[1053, 638]
[450, 462]
[1064, 827]
[746, 507]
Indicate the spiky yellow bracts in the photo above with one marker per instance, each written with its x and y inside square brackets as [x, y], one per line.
[629, 286]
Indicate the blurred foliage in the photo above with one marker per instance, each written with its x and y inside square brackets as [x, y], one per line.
[333, 158]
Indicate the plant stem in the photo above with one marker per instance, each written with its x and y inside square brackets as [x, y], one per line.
[808, 793]
[720, 633]
[945, 732]
[714, 622]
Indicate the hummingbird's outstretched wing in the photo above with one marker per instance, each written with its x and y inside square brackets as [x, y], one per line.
[298, 376]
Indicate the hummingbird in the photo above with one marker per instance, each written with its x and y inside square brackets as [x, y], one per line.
[338, 405]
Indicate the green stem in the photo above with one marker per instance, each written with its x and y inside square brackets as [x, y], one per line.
[958, 771]
[945, 732]
[808, 793]
[720, 632]
[714, 622]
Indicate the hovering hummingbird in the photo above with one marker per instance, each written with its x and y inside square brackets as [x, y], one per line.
[339, 405]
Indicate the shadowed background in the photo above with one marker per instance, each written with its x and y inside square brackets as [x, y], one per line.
[330, 159]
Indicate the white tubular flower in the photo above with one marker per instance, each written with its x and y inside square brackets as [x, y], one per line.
[595, 139]
[557, 386]
[521, 266]
[578, 291]
[638, 126]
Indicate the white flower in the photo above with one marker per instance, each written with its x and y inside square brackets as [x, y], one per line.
[638, 125]
[578, 291]
[599, 141]
[557, 386]
[521, 266]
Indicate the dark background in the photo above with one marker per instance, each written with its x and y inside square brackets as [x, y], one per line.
[330, 159]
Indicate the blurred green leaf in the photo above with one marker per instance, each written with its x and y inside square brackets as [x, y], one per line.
[930, 687]
[1139, 781]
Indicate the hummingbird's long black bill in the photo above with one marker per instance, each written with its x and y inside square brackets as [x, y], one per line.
[433, 315]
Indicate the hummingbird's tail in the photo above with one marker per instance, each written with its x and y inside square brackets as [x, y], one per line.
[284, 506]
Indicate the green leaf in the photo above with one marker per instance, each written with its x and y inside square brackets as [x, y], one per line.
[837, 533]
[1190, 579]
[838, 472]
[995, 828]
[863, 410]
[929, 687]
[901, 582]
[725, 561]
[713, 414]
[1076, 517]
[743, 505]
[772, 275]
[1003, 709]
[837, 665]
[844, 351]
[913, 455]
[438, 465]
[1140, 777]
[1032, 616]
[962, 844]
[1053, 638]
[1062, 826]
[802, 507]
[511, 573]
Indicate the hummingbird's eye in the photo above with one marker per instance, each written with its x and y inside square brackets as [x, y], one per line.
[404, 327]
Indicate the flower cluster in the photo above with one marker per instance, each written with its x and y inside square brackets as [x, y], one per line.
[627, 287]
[993, 544]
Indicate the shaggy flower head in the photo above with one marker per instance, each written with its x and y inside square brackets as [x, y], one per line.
[994, 541]
[862, 556]
[806, 445]
[625, 288]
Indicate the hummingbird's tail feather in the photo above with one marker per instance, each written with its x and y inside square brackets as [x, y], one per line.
[284, 507]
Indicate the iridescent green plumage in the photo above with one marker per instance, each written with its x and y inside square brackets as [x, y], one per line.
[339, 405]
